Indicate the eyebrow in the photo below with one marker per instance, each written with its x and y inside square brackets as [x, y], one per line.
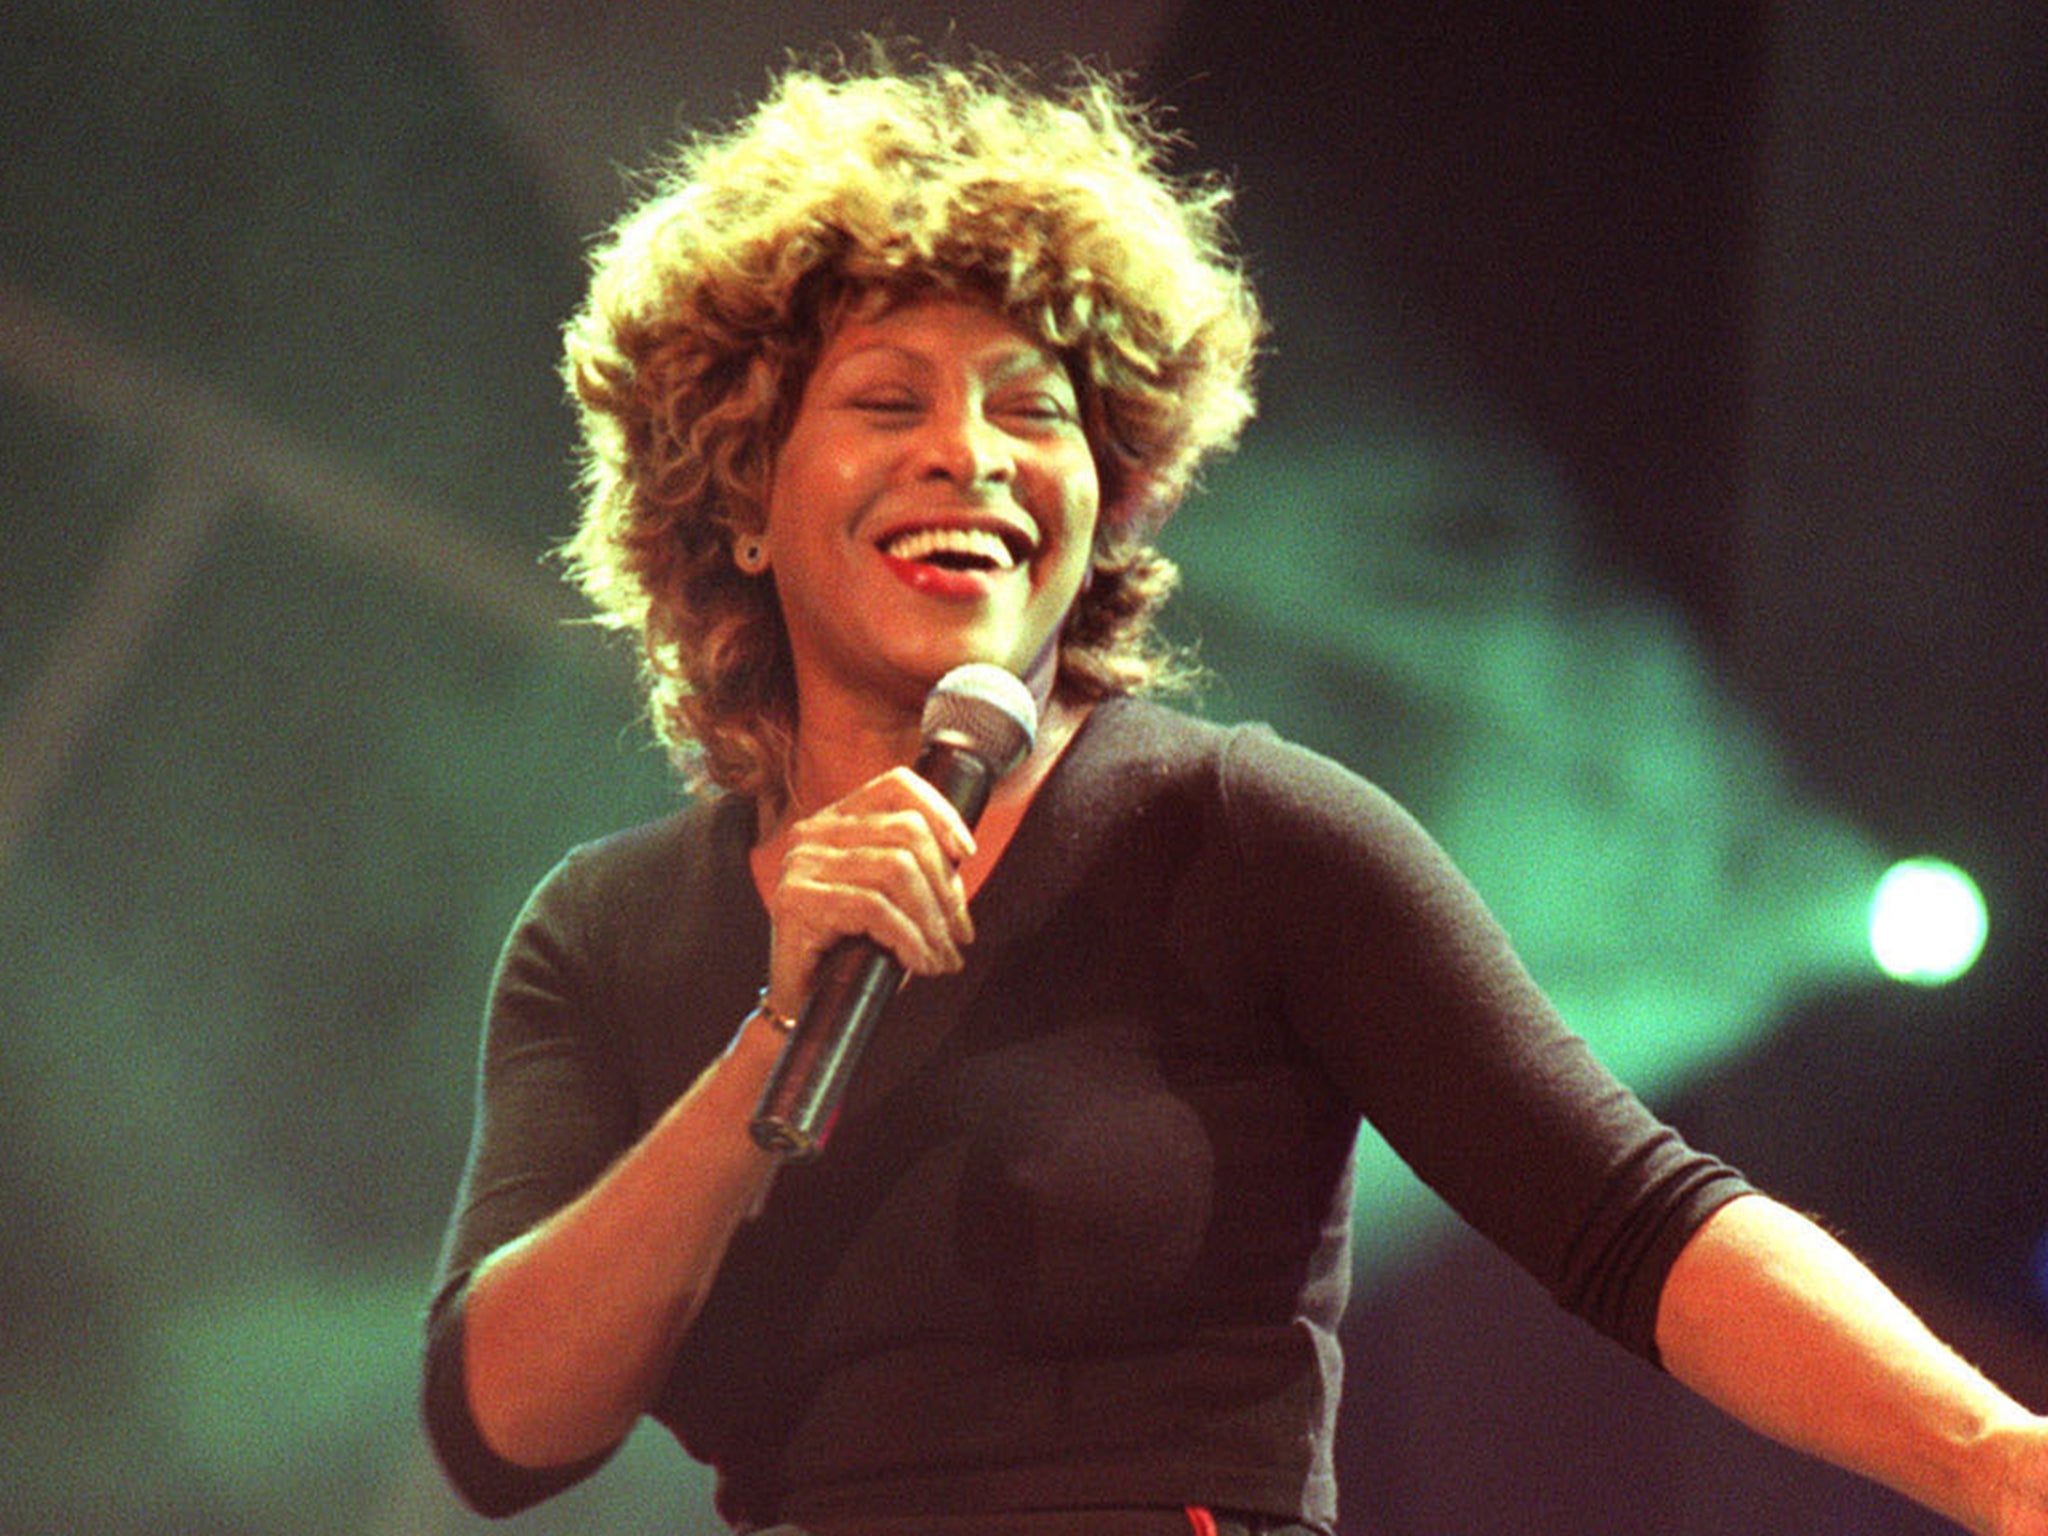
[1008, 363]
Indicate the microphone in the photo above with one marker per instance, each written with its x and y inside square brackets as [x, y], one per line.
[978, 724]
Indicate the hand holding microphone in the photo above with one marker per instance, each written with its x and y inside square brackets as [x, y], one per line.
[978, 724]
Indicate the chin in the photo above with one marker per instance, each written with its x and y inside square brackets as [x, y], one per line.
[1010, 654]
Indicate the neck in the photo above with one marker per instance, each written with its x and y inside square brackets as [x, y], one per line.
[844, 739]
[1006, 806]
[833, 758]
[837, 751]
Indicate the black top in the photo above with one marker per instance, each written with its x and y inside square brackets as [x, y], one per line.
[1080, 1237]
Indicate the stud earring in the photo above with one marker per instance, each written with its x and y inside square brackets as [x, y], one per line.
[750, 554]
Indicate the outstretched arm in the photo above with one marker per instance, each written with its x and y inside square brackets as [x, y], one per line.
[1771, 1319]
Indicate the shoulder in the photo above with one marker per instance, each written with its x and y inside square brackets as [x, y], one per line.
[637, 936]
[1282, 818]
[1249, 769]
[1251, 799]
[659, 854]
[602, 891]
[1141, 739]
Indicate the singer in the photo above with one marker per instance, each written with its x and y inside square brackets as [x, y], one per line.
[905, 371]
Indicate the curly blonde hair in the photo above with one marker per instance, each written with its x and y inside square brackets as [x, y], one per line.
[855, 189]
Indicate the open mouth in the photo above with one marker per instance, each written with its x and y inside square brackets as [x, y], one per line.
[957, 549]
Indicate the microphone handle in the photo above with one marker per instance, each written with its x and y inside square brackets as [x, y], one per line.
[855, 979]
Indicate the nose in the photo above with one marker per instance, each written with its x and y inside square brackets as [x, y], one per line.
[962, 445]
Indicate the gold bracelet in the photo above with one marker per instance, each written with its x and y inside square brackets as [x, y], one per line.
[768, 1013]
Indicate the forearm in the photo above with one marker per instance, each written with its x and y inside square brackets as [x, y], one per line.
[1768, 1317]
[569, 1330]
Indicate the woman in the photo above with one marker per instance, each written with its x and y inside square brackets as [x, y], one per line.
[904, 372]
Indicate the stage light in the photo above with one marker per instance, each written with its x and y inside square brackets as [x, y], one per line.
[1927, 922]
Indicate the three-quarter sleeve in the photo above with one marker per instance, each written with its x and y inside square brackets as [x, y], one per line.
[1403, 985]
[552, 1112]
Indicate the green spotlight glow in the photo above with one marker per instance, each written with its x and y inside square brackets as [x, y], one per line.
[1927, 922]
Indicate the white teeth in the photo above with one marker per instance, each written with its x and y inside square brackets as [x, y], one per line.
[978, 544]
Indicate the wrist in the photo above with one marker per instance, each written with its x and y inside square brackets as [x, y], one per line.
[764, 1028]
[766, 1012]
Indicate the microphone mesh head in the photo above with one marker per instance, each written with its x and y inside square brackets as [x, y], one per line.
[987, 706]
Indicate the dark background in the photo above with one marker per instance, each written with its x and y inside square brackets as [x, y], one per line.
[1648, 489]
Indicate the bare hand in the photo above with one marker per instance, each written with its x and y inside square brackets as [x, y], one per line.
[2023, 1505]
[883, 862]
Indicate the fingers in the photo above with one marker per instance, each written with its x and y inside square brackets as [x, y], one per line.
[883, 863]
[905, 832]
[939, 814]
[886, 893]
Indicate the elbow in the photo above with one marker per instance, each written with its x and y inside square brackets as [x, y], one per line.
[521, 1425]
[479, 1492]
[485, 1480]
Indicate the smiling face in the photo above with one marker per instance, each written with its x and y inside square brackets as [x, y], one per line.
[934, 504]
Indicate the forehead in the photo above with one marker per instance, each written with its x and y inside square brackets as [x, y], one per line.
[933, 331]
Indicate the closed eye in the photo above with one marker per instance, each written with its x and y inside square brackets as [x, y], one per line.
[1041, 405]
[1038, 406]
[885, 404]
